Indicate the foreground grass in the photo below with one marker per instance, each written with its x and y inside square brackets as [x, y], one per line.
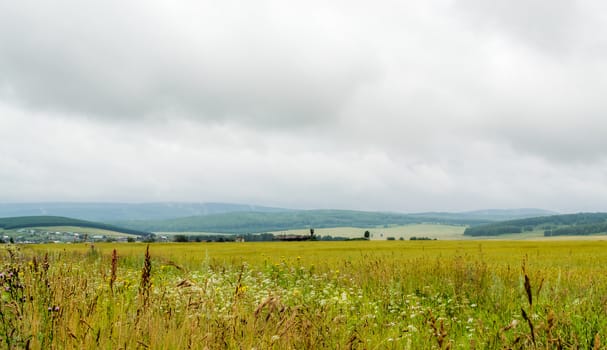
[335, 295]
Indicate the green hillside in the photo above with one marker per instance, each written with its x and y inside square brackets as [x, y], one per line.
[54, 221]
[255, 222]
[554, 225]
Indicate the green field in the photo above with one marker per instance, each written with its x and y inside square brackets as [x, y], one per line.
[304, 295]
[438, 231]
[381, 233]
[84, 230]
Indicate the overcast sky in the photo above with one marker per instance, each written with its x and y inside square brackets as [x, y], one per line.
[385, 105]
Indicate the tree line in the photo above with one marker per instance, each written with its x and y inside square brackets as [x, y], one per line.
[567, 224]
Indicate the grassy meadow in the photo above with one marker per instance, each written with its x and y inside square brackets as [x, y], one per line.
[303, 295]
[438, 231]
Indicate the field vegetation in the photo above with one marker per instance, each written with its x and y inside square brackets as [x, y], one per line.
[381, 232]
[305, 295]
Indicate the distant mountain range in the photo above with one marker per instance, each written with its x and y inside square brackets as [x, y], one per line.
[489, 214]
[127, 211]
[241, 218]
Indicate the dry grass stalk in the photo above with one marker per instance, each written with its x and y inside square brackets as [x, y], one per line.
[174, 264]
[528, 290]
[532, 331]
[45, 263]
[114, 268]
[438, 331]
[35, 264]
[146, 272]
[529, 295]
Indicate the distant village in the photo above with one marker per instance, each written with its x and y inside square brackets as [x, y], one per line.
[38, 235]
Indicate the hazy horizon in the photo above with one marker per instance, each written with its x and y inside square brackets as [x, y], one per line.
[257, 205]
[441, 105]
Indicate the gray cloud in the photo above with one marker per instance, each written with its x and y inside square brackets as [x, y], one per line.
[209, 61]
[412, 106]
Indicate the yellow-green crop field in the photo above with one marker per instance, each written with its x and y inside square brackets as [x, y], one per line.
[306, 295]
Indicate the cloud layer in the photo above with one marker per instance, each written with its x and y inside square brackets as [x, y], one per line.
[439, 105]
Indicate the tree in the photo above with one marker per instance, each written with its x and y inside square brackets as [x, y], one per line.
[180, 238]
[367, 234]
[312, 236]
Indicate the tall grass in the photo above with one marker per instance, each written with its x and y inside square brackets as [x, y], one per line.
[333, 295]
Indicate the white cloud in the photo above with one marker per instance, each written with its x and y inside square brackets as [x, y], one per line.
[440, 105]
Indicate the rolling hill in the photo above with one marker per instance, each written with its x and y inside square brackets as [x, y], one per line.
[554, 225]
[13, 223]
[243, 218]
[255, 222]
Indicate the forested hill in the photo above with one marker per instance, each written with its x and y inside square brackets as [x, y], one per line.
[255, 222]
[50, 221]
[554, 225]
[243, 218]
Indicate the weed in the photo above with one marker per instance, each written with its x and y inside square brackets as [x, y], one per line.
[358, 295]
